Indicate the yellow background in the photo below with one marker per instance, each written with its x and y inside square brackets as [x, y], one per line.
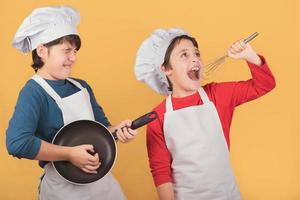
[265, 133]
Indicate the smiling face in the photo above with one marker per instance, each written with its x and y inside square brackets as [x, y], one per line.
[184, 68]
[58, 60]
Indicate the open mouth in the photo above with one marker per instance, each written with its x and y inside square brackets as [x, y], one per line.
[67, 65]
[194, 73]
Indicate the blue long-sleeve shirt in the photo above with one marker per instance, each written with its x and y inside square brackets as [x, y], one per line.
[37, 116]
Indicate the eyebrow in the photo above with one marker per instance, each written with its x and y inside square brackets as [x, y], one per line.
[183, 50]
[69, 49]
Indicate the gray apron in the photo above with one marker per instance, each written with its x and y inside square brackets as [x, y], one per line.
[201, 165]
[53, 187]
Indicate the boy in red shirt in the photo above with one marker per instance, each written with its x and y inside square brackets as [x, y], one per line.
[188, 145]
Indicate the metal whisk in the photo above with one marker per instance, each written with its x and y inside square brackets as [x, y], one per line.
[212, 66]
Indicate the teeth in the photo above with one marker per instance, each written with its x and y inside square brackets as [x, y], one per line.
[195, 68]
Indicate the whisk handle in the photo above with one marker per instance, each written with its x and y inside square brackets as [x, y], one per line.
[251, 37]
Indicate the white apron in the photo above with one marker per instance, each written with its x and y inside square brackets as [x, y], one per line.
[53, 187]
[200, 157]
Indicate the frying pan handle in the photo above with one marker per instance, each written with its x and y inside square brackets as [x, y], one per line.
[139, 122]
[251, 37]
[143, 120]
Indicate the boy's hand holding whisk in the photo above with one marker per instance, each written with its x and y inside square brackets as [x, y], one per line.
[242, 50]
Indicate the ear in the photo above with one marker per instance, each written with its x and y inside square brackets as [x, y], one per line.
[166, 70]
[41, 51]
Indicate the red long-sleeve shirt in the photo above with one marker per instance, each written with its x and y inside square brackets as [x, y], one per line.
[225, 96]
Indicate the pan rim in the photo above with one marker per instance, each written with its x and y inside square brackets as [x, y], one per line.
[113, 164]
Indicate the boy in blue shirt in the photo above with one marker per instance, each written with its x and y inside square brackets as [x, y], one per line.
[50, 100]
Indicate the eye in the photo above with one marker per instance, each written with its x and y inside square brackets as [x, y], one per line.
[184, 54]
[197, 54]
[68, 51]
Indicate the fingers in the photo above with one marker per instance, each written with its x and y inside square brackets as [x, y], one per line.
[126, 134]
[89, 148]
[93, 159]
[125, 123]
[92, 165]
[123, 135]
[237, 47]
[132, 132]
[91, 169]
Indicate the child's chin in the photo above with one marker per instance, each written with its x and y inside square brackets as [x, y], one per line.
[65, 75]
[195, 85]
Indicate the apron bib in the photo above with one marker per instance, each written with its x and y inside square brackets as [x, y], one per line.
[200, 157]
[53, 187]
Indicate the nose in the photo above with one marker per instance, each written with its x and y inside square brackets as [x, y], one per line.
[72, 56]
[195, 58]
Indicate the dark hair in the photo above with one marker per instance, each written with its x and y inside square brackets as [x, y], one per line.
[72, 39]
[170, 49]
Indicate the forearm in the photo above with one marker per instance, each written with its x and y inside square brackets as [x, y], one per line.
[52, 152]
[262, 77]
[254, 59]
[165, 191]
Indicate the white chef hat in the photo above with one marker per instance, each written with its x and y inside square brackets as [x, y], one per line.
[44, 25]
[150, 57]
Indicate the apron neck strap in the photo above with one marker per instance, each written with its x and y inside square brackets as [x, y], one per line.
[77, 84]
[50, 90]
[46, 87]
[202, 93]
[169, 105]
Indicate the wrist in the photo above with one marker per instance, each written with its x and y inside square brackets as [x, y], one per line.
[254, 59]
[112, 128]
[67, 153]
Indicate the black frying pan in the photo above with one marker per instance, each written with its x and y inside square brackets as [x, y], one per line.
[104, 142]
